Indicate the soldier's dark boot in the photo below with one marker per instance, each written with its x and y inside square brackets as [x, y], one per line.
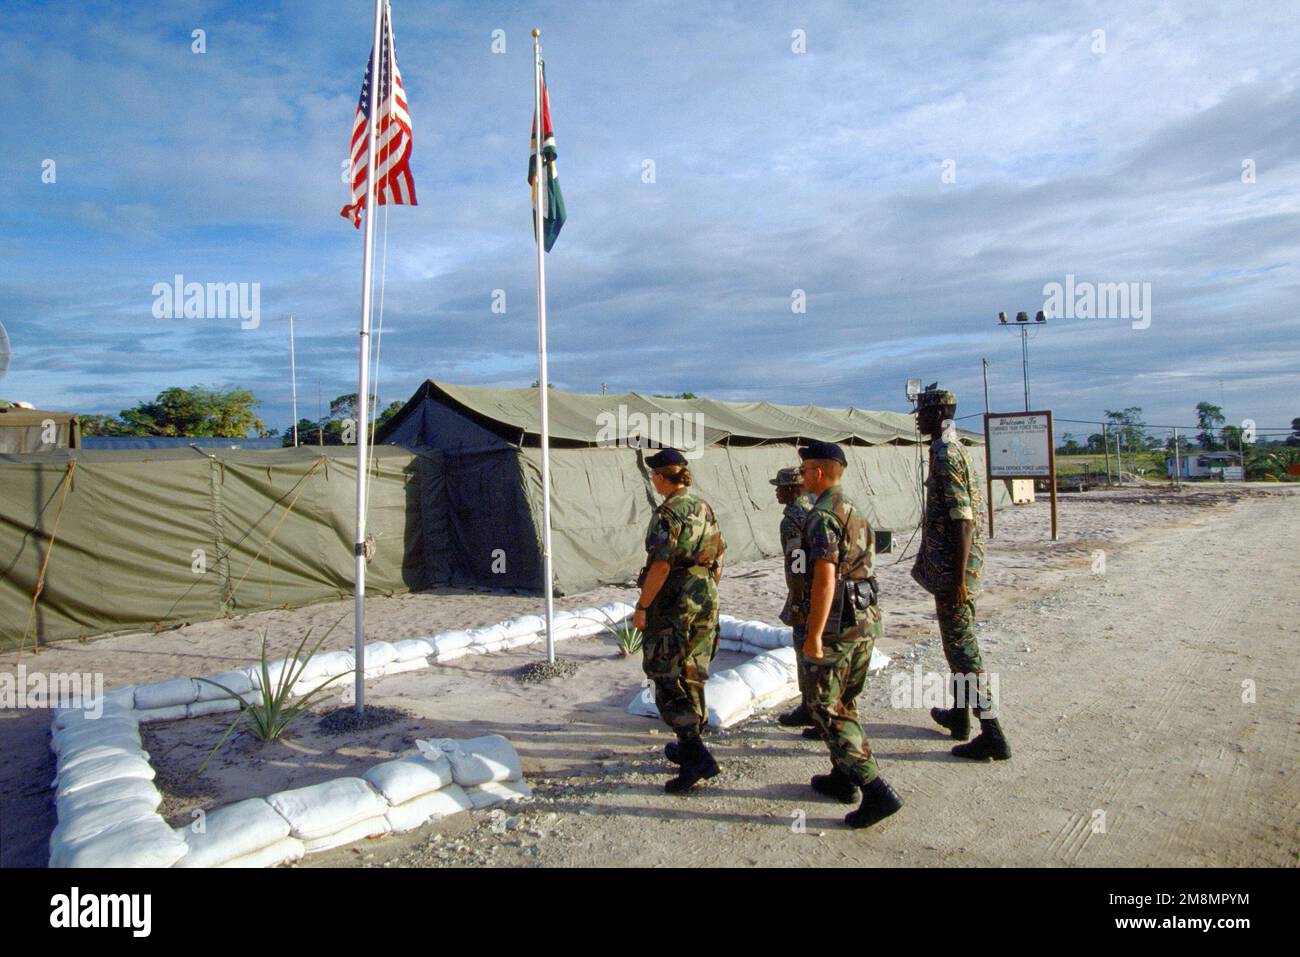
[956, 720]
[991, 743]
[673, 752]
[878, 802]
[837, 785]
[798, 718]
[813, 733]
[697, 764]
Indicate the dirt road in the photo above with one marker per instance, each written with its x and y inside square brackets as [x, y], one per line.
[1152, 709]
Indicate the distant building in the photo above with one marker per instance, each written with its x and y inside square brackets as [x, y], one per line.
[1195, 464]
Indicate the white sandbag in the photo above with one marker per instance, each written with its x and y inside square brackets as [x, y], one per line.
[477, 760]
[165, 694]
[433, 806]
[200, 708]
[521, 641]
[328, 664]
[769, 680]
[148, 842]
[281, 852]
[498, 792]
[275, 671]
[410, 777]
[326, 808]
[163, 714]
[788, 657]
[237, 681]
[95, 752]
[644, 704]
[765, 636]
[396, 668]
[109, 792]
[730, 627]
[121, 731]
[450, 644]
[379, 653]
[728, 699]
[523, 625]
[730, 644]
[617, 611]
[370, 827]
[879, 662]
[119, 703]
[103, 769]
[233, 831]
[451, 654]
[410, 648]
[86, 822]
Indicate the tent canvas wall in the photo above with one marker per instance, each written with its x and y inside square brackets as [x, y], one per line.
[601, 497]
[138, 539]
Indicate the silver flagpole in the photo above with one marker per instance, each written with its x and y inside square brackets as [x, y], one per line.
[363, 375]
[293, 383]
[539, 179]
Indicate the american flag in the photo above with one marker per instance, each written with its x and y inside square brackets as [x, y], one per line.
[393, 183]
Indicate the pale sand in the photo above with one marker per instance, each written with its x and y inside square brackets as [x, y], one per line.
[566, 730]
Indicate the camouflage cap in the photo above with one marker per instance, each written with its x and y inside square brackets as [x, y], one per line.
[790, 476]
[934, 396]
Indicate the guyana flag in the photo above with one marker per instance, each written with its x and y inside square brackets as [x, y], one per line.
[553, 219]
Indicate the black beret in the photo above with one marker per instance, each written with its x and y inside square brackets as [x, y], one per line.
[665, 457]
[823, 450]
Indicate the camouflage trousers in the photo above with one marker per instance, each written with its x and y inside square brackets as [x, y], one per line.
[834, 683]
[680, 642]
[801, 669]
[962, 649]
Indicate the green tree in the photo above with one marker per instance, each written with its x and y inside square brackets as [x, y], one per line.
[329, 430]
[1294, 437]
[1129, 427]
[195, 412]
[1208, 418]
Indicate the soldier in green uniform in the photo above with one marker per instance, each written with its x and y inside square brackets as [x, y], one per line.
[678, 612]
[797, 502]
[842, 624]
[949, 565]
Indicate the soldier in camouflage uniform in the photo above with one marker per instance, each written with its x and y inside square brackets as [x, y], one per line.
[949, 565]
[842, 624]
[797, 502]
[678, 612]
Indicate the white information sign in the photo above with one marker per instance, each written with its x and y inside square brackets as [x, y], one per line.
[1020, 446]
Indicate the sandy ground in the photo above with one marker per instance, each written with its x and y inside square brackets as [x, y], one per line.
[1122, 694]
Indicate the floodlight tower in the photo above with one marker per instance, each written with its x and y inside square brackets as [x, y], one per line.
[1022, 323]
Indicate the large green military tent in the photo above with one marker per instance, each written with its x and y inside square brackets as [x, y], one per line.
[601, 494]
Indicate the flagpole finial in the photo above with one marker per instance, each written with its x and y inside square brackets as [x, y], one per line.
[536, 33]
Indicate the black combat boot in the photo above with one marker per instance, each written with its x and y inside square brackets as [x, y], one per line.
[813, 733]
[956, 719]
[837, 785]
[697, 763]
[798, 718]
[990, 744]
[878, 802]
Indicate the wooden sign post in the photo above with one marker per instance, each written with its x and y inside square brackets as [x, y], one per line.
[1019, 445]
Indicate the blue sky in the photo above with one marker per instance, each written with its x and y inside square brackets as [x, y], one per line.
[821, 171]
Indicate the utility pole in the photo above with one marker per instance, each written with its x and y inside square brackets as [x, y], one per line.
[985, 364]
[1105, 441]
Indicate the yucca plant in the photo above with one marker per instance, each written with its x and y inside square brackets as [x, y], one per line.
[627, 635]
[272, 712]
